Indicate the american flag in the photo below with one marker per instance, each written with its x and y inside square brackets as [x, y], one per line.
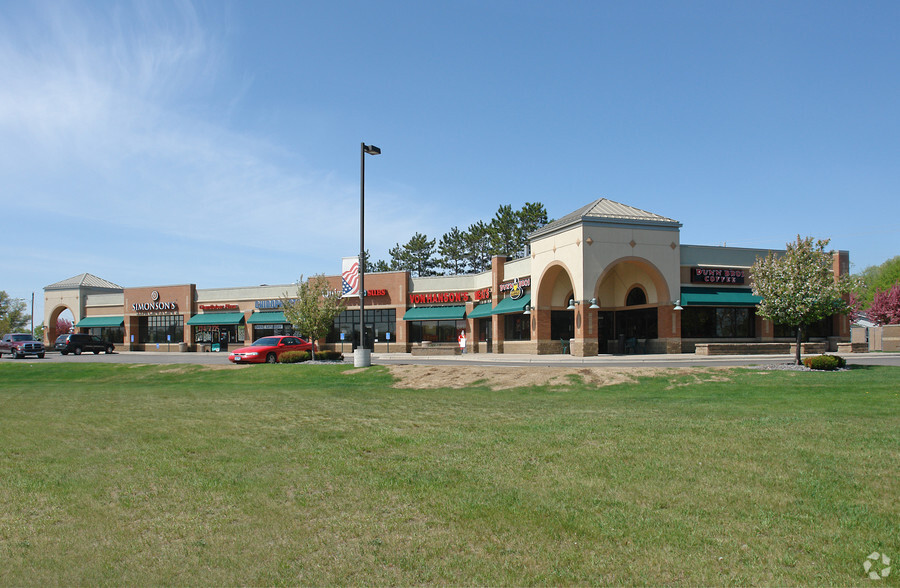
[350, 276]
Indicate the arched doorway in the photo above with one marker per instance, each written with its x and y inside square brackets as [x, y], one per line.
[51, 330]
[630, 293]
[553, 324]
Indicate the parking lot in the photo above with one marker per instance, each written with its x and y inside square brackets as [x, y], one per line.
[674, 360]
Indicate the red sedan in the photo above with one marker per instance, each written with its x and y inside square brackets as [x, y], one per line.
[268, 349]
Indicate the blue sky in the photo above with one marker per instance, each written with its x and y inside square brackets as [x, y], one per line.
[217, 143]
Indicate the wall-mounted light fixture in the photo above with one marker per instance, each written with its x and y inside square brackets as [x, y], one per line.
[593, 305]
[572, 304]
[678, 305]
[527, 309]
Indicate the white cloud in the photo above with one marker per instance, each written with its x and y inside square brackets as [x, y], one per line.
[99, 120]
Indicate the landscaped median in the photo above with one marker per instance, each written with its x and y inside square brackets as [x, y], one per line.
[321, 474]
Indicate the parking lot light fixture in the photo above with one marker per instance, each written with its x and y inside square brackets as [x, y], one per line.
[362, 358]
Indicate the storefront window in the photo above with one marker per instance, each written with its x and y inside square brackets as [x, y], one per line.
[271, 330]
[435, 331]
[220, 334]
[639, 323]
[484, 329]
[517, 327]
[161, 328]
[818, 330]
[111, 334]
[562, 324]
[379, 322]
[705, 322]
[636, 297]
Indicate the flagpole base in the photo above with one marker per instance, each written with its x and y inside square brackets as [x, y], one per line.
[362, 357]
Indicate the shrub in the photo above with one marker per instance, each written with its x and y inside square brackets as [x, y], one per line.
[294, 356]
[825, 362]
[329, 355]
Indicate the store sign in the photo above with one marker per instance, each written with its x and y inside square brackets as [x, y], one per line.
[381, 292]
[516, 288]
[718, 275]
[268, 304]
[483, 294]
[219, 307]
[151, 306]
[438, 297]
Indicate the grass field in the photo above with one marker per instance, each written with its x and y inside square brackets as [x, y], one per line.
[289, 474]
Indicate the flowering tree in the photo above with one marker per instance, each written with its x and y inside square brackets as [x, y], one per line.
[798, 288]
[313, 309]
[63, 326]
[885, 307]
[856, 307]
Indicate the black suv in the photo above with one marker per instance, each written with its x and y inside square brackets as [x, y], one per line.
[78, 342]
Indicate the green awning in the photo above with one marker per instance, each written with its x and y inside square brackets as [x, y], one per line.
[101, 321]
[267, 318]
[718, 297]
[481, 311]
[216, 318]
[509, 306]
[435, 313]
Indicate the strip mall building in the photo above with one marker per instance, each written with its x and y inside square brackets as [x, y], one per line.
[605, 277]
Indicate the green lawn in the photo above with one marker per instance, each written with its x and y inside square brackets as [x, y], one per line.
[293, 474]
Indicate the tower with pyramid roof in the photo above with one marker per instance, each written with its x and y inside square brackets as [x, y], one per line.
[73, 294]
[604, 256]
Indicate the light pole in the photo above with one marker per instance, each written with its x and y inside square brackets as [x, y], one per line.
[362, 358]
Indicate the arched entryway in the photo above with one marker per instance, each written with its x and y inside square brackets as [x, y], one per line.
[553, 325]
[50, 330]
[634, 304]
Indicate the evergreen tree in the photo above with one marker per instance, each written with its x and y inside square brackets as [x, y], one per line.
[452, 251]
[381, 266]
[419, 253]
[400, 261]
[478, 247]
[366, 261]
[505, 232]
[532, 216]
[510, 228]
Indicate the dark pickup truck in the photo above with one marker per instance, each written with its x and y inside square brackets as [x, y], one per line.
[20, 344]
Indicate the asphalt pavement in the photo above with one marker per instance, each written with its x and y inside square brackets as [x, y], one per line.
[478, 359]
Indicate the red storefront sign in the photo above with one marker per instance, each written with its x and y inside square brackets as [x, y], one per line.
[438, 297]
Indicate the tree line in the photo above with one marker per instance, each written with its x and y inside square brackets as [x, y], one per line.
[466, 251]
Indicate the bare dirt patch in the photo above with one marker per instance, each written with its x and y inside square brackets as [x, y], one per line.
[502, 377]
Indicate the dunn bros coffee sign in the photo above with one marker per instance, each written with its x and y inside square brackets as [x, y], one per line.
[718, 275]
